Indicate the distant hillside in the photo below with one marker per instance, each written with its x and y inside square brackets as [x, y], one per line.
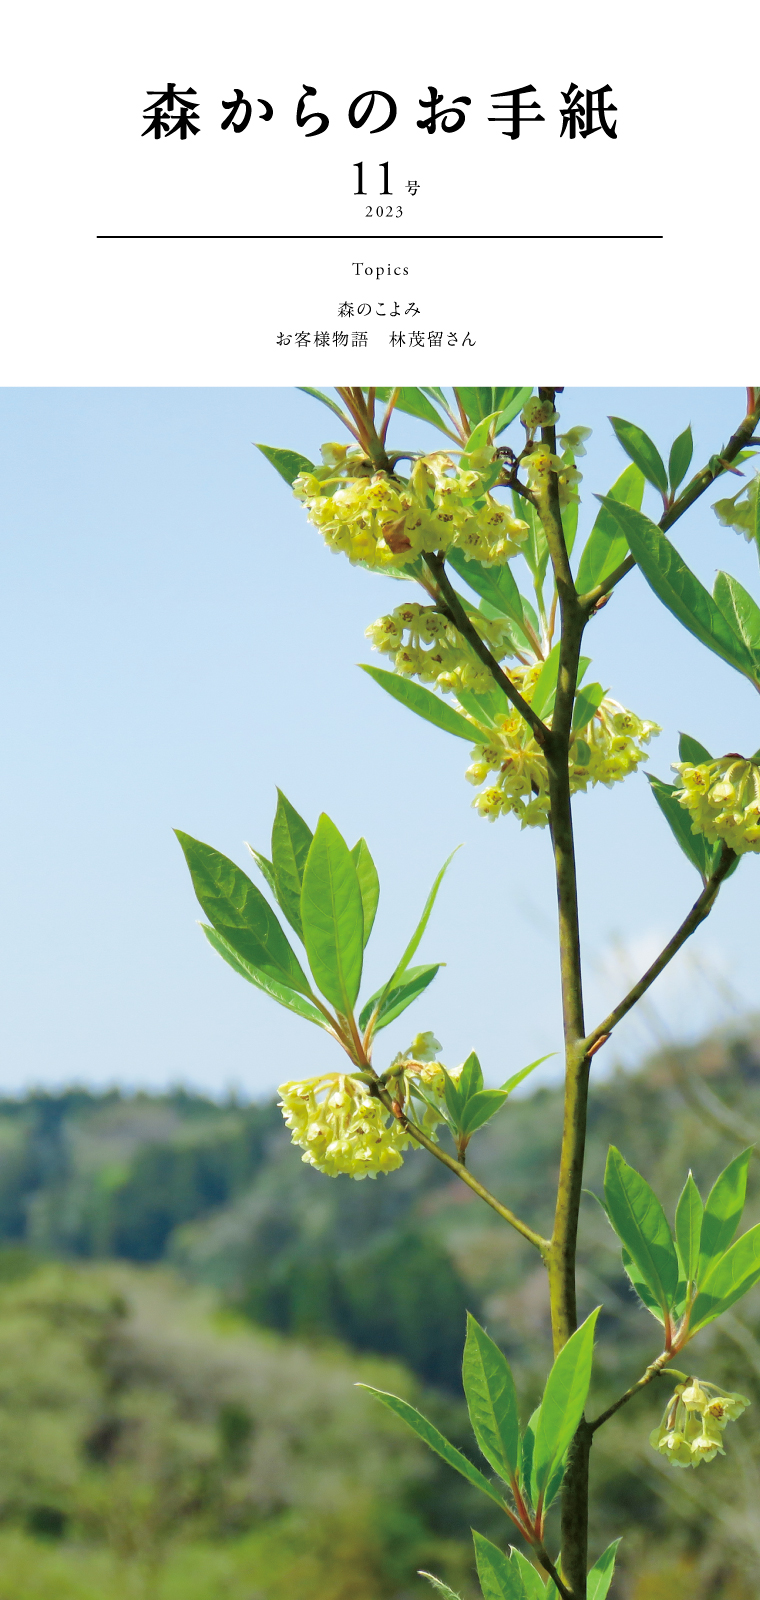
[218, 1193]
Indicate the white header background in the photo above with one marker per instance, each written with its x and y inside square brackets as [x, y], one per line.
[81, 310]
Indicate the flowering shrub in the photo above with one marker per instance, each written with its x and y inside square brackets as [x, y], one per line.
[502, 669]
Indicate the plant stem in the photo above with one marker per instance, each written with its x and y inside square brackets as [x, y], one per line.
[654, 1370]
[452, 607]
[700, 909]
[539, 1243]
[562, 1252]
[699, 483]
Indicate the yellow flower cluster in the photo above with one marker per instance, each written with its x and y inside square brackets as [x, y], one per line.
[343, 1128]
[692, 1425]
[538, 467]
[723, 797]
[425, 645]
[387, 521]
[606, 750]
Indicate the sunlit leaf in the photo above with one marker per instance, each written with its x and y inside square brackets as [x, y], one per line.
[642, 452]
[500, 1578]
[413, 984]
[563, 1401]
[676, 586]
[607, 545]
[691, 750]
[681, 452]
[740, 611]
[332, 917]
[730, 1277]
[369, 884]
[436, 1441]
[640, 1223]
[426, 704]
[262, 980]
[239, 912]
[287, 462]
[491, 1401]
[291, 840]
[723, 1211]
[600, 1575]
[422, 924]
[689, 1213]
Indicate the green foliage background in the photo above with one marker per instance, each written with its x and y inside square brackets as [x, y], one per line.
[185, 1309]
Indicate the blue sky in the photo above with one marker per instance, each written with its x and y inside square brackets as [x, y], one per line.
[177, 641]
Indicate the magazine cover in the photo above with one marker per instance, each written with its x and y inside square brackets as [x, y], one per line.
[380, 1087]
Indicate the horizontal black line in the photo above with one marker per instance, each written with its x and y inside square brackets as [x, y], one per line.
[380, 238]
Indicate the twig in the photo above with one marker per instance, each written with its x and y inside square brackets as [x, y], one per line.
[699, 911]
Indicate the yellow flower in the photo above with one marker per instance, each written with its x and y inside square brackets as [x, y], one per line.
[341, 1127]
[426, 645]
[606, 750]
[386, 521]
[723, 797]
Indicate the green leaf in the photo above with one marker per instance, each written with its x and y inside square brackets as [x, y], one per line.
[332, 917]
[265, 868]
[426, 704]
[494, 584]
[287, 462]
[438, 1585]
[476, 403]
[740, 611]
[729, 1278]
[421, 925]
[480, 438]
[546, 683]
[681, 452]
[695, 846]
[369, 884]
[454, 1100]
[678, 589]
[689, 1212]
[533, 1584]
[691, 750]
[527, 1483]
[517, 1077]
[641, 1286]
[239, 912]
[510, 401]
[606, 546]
[723, 1211]
[480, 1108]
[600, 1576]
[276, 991]
[642, 452]
[640, 1223]
[291, 842]
[415, 404]
[535, 550]
[587, 702]
[332, 405]
[470, 1077]
[491, 1401]
[435, 1441]
[564, 1399]
[415, 981]
[500, 1578]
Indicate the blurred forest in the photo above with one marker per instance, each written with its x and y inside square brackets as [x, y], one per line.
[185, 1308]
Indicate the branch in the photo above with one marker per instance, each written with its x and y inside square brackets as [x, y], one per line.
[654, 1370]
[699, 911]
[540, 1244]
[692, 492]
[454, 610]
